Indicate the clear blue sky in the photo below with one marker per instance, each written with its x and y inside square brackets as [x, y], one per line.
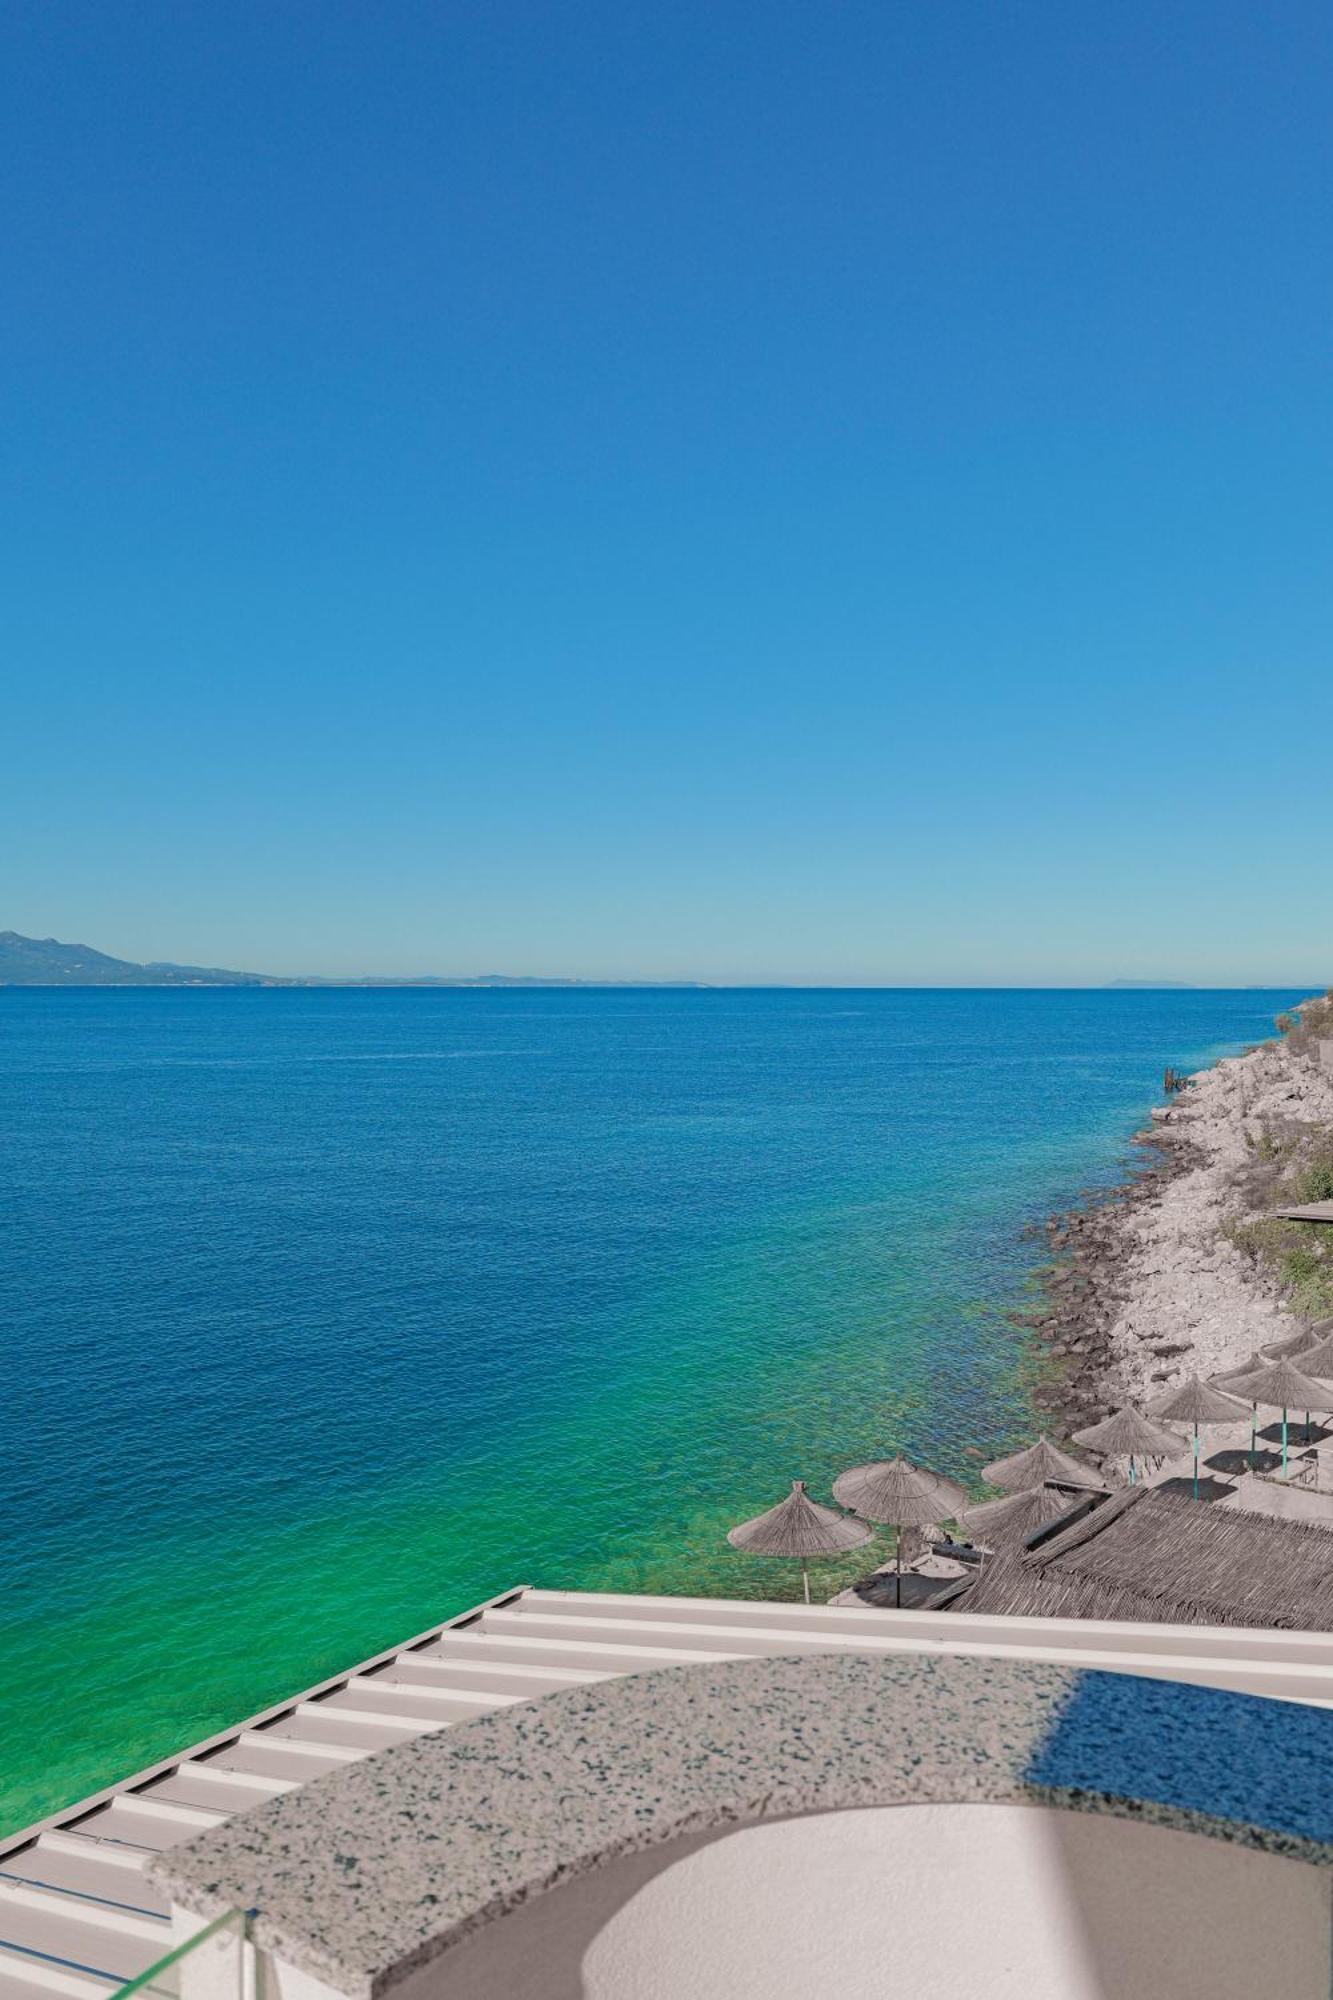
[718, 488]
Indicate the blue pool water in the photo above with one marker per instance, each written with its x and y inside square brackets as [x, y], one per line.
[329, 1312]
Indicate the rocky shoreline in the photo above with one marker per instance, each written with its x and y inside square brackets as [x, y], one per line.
[1087, 1288]
[1159, 1279]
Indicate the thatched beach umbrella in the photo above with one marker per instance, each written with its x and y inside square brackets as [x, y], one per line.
[1006, 1523]
[1283, 1385]
[798, 1527]
[1041, 1462]
[1196, 1402]
[1129, 1434]
[1307, 1335]
[1295, 1347]
[1281, 1350]
[1316, 1359]
[1259, 1359]
[902, 1495]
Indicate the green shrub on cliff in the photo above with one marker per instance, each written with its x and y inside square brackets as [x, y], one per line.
[1307, 1279]
[1300, 1254]
[1291, 1164]
[1315, 1182]
[1308, 1024]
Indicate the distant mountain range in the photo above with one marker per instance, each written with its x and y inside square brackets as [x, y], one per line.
[26, 961]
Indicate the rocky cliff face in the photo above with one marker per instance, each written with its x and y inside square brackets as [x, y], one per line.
[1184, 1271]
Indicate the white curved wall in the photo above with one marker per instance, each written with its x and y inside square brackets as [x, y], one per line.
[931, 1902]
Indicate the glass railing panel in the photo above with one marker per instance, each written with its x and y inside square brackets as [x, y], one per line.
[208, 1966]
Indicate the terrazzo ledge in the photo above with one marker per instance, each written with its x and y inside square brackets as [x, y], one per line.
[367, 1874]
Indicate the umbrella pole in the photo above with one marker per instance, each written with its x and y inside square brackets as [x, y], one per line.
[1254, 1433]
[805, 1579]
[1131, 1468]
[1196, 1461]
[1284, 1444]
[898, 1579]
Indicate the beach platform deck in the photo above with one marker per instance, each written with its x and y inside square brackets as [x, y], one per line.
[78, 1917]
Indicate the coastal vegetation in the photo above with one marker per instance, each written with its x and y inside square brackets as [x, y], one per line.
[1299, 1254]
[1187, 1265]
[1308, 1025]
[1292, 1165]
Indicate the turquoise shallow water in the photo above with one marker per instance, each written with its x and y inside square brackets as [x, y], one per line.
[327, 1313]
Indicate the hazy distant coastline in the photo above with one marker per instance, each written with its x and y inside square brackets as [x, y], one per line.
[26, 961]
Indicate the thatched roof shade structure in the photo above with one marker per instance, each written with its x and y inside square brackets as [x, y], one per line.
[1007, 1523]
[1258, 1359]
[1040, 1463]
[1294, 1344]
[1318, 1359]
[1312, 1343]
[1284, 1385]
[900, 1493]
[1246, 1381]
[1151, 1555]
[799, 1528]
[1129, 1434]
[1196, 1402]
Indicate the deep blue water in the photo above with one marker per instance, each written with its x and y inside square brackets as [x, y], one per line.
[329, 1312]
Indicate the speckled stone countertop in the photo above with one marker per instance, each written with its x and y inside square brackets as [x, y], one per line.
[366, 1874]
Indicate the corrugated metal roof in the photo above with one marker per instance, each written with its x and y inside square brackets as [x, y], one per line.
[77, 1917]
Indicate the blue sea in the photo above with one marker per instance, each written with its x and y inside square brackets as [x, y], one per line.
[328, 1313]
